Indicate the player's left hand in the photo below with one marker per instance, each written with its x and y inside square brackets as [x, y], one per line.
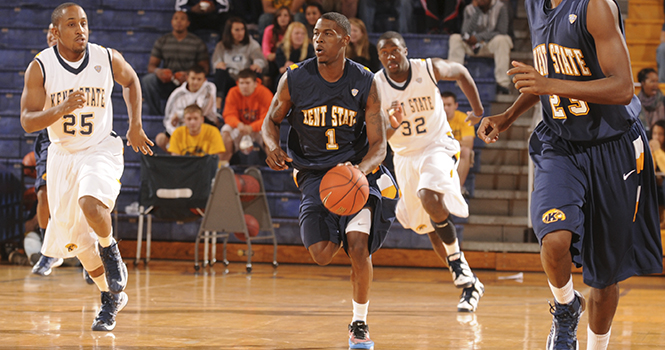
[137, 139]
[528, 80]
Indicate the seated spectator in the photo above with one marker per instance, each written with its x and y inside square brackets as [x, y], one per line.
[313, 11]
[657, 145]
[236, 51]
[176, 52]
[271, 7]
[196, 90]
[651, 98]
[485, 33]
[294, 47]
[246, 106]
[196, 138]
[443, 17]
[463, 132]
[360, 49]
[348, 8]
[402, 10]
[272, 37]
[205, 14]
[660, 56]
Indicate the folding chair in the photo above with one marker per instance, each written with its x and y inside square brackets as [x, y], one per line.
[225, 214]
[173, 188]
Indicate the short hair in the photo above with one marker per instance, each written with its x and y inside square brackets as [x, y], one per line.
[196, 69]
[340, 19]
[642, 75]
[193, 108]
[247, 73]
[57, 13]
[446, 94]
[392, 35]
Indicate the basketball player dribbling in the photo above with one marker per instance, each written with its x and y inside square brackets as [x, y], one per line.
[426, 153]
[594, 199]
[335, 119]
[68, 90]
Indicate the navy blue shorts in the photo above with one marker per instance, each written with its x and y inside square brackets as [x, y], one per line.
[605, 194]
[41, 153]
[318, 224]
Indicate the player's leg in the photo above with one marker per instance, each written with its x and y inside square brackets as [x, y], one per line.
[362, 273]
[229, 136]
[112, 303]
[603, 304]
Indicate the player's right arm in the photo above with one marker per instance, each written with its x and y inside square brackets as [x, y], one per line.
[444, 70]
[33, 115]
[281, 104]
[490, 127]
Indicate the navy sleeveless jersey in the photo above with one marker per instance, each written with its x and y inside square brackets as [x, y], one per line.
[327, 119]
[564, 49]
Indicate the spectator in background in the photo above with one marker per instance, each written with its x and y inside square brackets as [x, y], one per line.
[657, 145]
[360, 49]
[348, 8]
[236, 51]
[463, 132]
[176, 52]
[313, 11]
[443, 17]
[272, 36]
[294, 47]
[650, 97]
[660, 56]
[205, 14]
[270, 9]
[246, 107]
[196, 90]
[196, 138]
[367, 11]
[485, 33]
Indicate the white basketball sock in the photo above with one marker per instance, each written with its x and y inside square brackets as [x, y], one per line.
[101, 283]
[360, 311]
[565, 294]
[452, 248]
[106, 241]
[595, 341]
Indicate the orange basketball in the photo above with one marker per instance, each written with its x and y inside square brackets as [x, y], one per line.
[252, 228]
[344, 190]
[250, 185]
[29, 165]
[239, 182]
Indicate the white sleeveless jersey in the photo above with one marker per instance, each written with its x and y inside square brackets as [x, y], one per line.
[424, 121]
[87, 126]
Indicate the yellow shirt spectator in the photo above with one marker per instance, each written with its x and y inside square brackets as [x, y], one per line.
[460, 128]
[208, 141]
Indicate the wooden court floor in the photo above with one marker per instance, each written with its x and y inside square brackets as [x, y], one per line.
[302, 307]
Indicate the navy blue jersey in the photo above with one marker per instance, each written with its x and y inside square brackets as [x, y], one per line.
[327, 119]
[564, 49]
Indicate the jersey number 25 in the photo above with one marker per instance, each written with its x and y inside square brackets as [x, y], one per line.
[69, 125]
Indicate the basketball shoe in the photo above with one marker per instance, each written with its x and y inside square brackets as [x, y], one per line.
[45, 265]
[359, 336]
[470, 296]
[115, 268]
[459, 268]
[563, 334]
[111, 305]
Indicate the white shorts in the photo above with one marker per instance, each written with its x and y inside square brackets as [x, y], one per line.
[235, 135]
[94, 172]
[434, 169]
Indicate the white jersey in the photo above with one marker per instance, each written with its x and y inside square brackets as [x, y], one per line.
[424, 121]
[90, 125]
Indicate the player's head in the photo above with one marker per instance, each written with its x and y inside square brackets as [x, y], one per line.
[193, 119]
[180, 22]
[70, 27]
[196, 76]
[247, 81]
[51, 40]
[331, 36]
[648, 79]
[450, 104]
[658, 132]
[393, 53]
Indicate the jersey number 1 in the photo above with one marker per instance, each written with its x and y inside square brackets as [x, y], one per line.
[70, 123]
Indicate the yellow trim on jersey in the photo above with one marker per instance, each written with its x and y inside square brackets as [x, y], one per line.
[293, 66]
[367, 69]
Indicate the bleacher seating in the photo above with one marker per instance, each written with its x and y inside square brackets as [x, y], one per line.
[132, 28]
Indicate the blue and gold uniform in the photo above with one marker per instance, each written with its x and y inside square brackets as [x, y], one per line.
[328, 128]
[594, 172]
